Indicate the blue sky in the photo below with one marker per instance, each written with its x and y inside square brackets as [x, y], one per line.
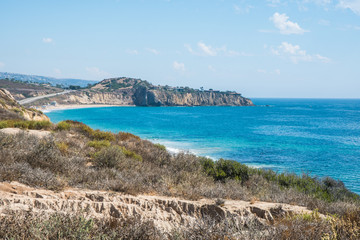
[262, 48]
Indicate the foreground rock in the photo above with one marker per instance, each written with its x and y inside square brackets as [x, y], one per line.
[167, 213]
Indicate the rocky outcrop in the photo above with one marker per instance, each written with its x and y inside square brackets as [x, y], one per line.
[160, 97]
[96, 97]
[166, 212]
[143, 96]
[9, 106]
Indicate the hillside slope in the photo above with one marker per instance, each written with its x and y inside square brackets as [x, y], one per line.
[21, 90]
[10, 109]
[41, 79]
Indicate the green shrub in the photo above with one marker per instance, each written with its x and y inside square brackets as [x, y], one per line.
[61, 126]
[22, 124]
[124, 136]
[131, 154]
[99, 144]
[39, 125]
[160, 146]
[222, 170]
[110, 157]
[86, 130]
[27, 124]
[63, 147]
[3, 124]
[100, 135]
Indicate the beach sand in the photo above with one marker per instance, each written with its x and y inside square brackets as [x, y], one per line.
[77, 106]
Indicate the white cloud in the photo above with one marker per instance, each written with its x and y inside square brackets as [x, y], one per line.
[96, 72]
[154, 51]
[207, 50]
[47, 40]
[322, 58]
[242, 10]
[132, 52]
[2, 64]
[179, 66]
[353, 5]
[188, 47]
[277, 71]
[282, 22]
[296, 54]
[273, 3]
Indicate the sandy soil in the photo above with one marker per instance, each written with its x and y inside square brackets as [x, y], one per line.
[78, 106]
[37, 133]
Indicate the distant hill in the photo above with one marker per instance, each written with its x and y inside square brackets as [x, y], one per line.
[65, 82]
[21, 90]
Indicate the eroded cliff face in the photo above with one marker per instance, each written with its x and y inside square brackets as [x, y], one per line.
[167, 213]
[96, 97]
[150, 97]
[9, 104]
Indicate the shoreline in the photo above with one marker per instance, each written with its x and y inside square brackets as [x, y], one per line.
[78, 106]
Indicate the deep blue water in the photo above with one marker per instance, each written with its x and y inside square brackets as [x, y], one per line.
[320, 137]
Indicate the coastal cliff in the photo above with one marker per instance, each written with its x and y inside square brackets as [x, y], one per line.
[130, 91]
[160, 97]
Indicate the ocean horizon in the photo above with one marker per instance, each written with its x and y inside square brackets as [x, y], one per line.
[316, 136]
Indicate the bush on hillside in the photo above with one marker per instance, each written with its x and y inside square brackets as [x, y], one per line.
[63, 126]
[99, 144]
[37, 125]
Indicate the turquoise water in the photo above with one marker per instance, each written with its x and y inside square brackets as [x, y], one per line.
[320, 137]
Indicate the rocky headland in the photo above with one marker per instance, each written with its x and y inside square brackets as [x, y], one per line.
[130, 91]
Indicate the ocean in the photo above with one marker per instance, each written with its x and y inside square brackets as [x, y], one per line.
[316, 136]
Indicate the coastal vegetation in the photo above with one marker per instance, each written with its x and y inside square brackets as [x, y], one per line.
[75, 155]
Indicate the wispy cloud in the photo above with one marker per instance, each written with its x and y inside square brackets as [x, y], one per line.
[179, 66]
[296, 54]
[273, 3]
[132, 51]
[353, 5]
[263, 71]
[96, 72]
[2, 64]
[153, 51]
[242, 9]
[47, 40]
[282, 22]
[207, 50]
